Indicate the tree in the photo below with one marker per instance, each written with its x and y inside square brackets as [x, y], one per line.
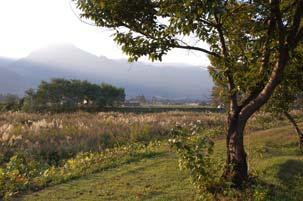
[250, 44]
[282, 101]
[9, 102]
[111, 96]
[285, 96]
[69, 95]
[28, 101]
[9, 99]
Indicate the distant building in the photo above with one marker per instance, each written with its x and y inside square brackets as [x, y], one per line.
[132, 103]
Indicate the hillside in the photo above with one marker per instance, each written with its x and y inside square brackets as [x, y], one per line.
[68, 61]
[12, 82]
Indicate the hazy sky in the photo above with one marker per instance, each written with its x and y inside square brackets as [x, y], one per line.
[27, 25]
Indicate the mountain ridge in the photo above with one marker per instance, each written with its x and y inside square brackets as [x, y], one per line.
[70, 62]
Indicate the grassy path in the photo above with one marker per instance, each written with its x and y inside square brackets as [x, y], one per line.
[149, 179]
[273, 154]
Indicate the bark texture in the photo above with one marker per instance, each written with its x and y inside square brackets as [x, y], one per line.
[236, 170]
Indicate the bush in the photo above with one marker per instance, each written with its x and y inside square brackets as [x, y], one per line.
[195, 151]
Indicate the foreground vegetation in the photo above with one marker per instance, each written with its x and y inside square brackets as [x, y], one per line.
[52, 138]
[40, 150]
[279, 170]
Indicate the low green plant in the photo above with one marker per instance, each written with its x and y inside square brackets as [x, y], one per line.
[195, 151]
[23, 173]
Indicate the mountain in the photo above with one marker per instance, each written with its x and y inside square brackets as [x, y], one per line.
[5, 61]
[70, 62]
[11, 82]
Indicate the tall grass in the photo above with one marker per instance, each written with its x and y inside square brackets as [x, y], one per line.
[53, 137]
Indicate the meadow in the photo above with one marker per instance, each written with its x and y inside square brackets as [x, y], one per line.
[41, 150]
[55, 137]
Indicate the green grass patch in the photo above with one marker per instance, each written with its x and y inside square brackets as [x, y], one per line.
[157, 178]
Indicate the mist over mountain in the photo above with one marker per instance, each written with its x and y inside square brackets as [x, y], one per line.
[70, 62]
[5, 61]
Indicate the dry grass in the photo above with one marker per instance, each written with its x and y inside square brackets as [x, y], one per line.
[61, 136]
[55, 137]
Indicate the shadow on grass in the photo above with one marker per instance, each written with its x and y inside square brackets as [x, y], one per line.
[291, 172]
[290, 175]
[290, 182]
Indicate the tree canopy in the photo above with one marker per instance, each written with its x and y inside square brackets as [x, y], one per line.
[251, 43]
[285, 96]
[64, 95]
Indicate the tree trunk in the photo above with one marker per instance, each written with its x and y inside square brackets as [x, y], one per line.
[236, 167]
[295, 125]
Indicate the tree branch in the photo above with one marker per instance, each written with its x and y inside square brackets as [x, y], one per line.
[276, 74]
[187, 47]
[207, 22]
[249, 98]
[295, 25]
[266, 53]
[293, 38]
[298, 38]
[265, 59]
[297, 128]
[231, 84]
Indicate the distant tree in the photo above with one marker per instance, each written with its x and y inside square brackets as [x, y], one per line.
[111, 96]
[250, 46]
[9, 102]
[29, 101]
[68, 95]
[9, 98]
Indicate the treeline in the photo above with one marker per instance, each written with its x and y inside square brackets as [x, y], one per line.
[9, 102]
[61, 95]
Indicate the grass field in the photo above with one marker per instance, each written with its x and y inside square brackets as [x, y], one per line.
[273, 156]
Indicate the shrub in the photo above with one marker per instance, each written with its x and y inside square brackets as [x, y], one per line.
[195, 151]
